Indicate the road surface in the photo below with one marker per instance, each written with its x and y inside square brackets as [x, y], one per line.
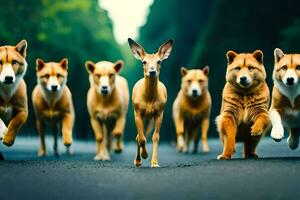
[276, 175]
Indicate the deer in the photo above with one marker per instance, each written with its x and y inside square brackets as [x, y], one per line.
[149, 97]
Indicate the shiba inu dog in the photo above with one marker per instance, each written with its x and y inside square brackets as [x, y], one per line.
[149, 97]
[285, 106]
[191, 109]
[52, 103]
[107, 102]
[245, 102]
[13, 92]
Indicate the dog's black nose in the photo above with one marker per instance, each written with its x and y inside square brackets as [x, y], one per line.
[104, 90]
[195, 93]
[9, 79]
[243, 79]
[104, 87]
[290, 81]
[54, 87]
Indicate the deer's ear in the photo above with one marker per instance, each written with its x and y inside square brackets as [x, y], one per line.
[184, 71]
[165, 50]
[39, 64]
[278, 54]
[90, 66]
[136, 49]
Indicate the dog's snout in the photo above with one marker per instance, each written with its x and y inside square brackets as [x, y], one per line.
[243, 79]
[194, 92]
[104, 87]
[54, 87]
[290, 81]
[9, 79]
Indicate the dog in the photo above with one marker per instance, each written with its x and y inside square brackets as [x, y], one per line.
[107, 102]
[52, 103]
[285, 106]
[245, 103]
[13, 90]
[191, 109]
[149, 97]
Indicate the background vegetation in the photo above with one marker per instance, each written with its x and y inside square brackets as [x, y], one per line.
[203, 31]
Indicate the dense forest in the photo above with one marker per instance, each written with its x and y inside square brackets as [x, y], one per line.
[203, 31]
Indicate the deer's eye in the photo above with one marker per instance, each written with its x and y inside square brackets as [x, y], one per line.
[1, 62]
[298, 67]
[97, 76]
[159, 62]
[111, 75]
[144, 62]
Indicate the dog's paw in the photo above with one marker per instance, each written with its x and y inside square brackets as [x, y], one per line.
[223, 157]
[8, 140]
[293, 142]
[67, 141]
[137, 163]
[256, 130]
[98, 157]
[205, 148]
[154, 164]
[42, 153]
[180, 144]
[251, 155]
[69, 151]
[118, 146]
[277, 133]
[3, 129]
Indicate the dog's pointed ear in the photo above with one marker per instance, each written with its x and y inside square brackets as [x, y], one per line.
[230, 55]
[259, 56]
[21, 47]
[39, 64]
[64, 63]
[118, 65]
[90, 66]
[206, 70]
[137, 50]
[184, 71]
[278, 54]
[165, 49]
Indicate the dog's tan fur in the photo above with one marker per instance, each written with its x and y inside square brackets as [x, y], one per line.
[285, 107]
[244, 110]
[53, 108]
[107, 111]
[149, 97]
[191, 111]
[13, 96]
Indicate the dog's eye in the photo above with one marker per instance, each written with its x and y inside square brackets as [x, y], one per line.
[189, 81]
[144, 62]
[284, 67]
[14, 62]
[200, 81]
[238, 68]
[60, 76]
[1, 62]
[159, 62]
[97, 76]
[298, 67]
[46, 76]
[250, 68]
[111, 75]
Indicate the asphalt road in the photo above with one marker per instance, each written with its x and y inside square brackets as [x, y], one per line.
[276, 175]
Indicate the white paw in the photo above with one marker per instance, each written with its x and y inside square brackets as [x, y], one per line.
[154, 165]
[293, 142]
[98, 157]
[3, 129]
[277, 132]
